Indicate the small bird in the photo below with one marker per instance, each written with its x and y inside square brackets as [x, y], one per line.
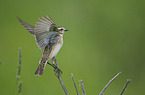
[48, 36]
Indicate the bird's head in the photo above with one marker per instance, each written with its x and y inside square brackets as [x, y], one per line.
[61, 30]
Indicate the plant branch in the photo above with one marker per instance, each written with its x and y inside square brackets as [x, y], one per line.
[82, 85]
[58, 75]
[75, 84]
[101, 93]
[124, 88]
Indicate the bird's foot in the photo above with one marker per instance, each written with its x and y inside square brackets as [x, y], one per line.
[56, 69]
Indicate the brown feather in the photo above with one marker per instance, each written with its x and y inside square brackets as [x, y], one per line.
[43, 60]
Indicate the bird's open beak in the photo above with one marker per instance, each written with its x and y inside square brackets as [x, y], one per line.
[65, 30]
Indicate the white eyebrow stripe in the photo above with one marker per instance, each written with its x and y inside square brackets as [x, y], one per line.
[60, 28]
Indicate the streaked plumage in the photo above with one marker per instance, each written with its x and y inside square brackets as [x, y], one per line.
[48, 37]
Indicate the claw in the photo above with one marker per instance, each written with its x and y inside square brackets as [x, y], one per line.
[56, 69]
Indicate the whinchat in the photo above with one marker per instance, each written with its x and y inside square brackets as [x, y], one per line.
[49, 37]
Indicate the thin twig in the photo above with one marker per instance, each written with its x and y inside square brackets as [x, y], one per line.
[124, 88]
[101, 93]
[59, 78]
[82, 85]
[75, 84]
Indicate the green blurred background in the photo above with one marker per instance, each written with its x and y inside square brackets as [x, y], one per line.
[104, 38]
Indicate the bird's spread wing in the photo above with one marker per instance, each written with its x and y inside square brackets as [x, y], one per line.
[44, 30]
[54, 39]
[29, 27]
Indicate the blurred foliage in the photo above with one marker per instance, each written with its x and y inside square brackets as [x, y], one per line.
[104, 38]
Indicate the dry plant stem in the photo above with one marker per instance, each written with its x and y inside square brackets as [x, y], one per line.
[128, 80]
[75, 84]
[59, 78]
[101, 93]
[19, 63]
[19, 87]
[19, 83]
[82, 85]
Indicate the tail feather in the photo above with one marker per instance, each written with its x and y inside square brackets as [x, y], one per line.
[40, 68]
[43, 61]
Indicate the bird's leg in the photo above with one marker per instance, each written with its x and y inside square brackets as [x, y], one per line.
[53, 65]
[53, 60]
[57, 70]
[50, 64]
[56, 67]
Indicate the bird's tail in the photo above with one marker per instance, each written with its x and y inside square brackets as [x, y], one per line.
[43, 61]
[41, 67]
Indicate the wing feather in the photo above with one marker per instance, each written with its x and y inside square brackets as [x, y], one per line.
[44, 30]
[29, 27]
